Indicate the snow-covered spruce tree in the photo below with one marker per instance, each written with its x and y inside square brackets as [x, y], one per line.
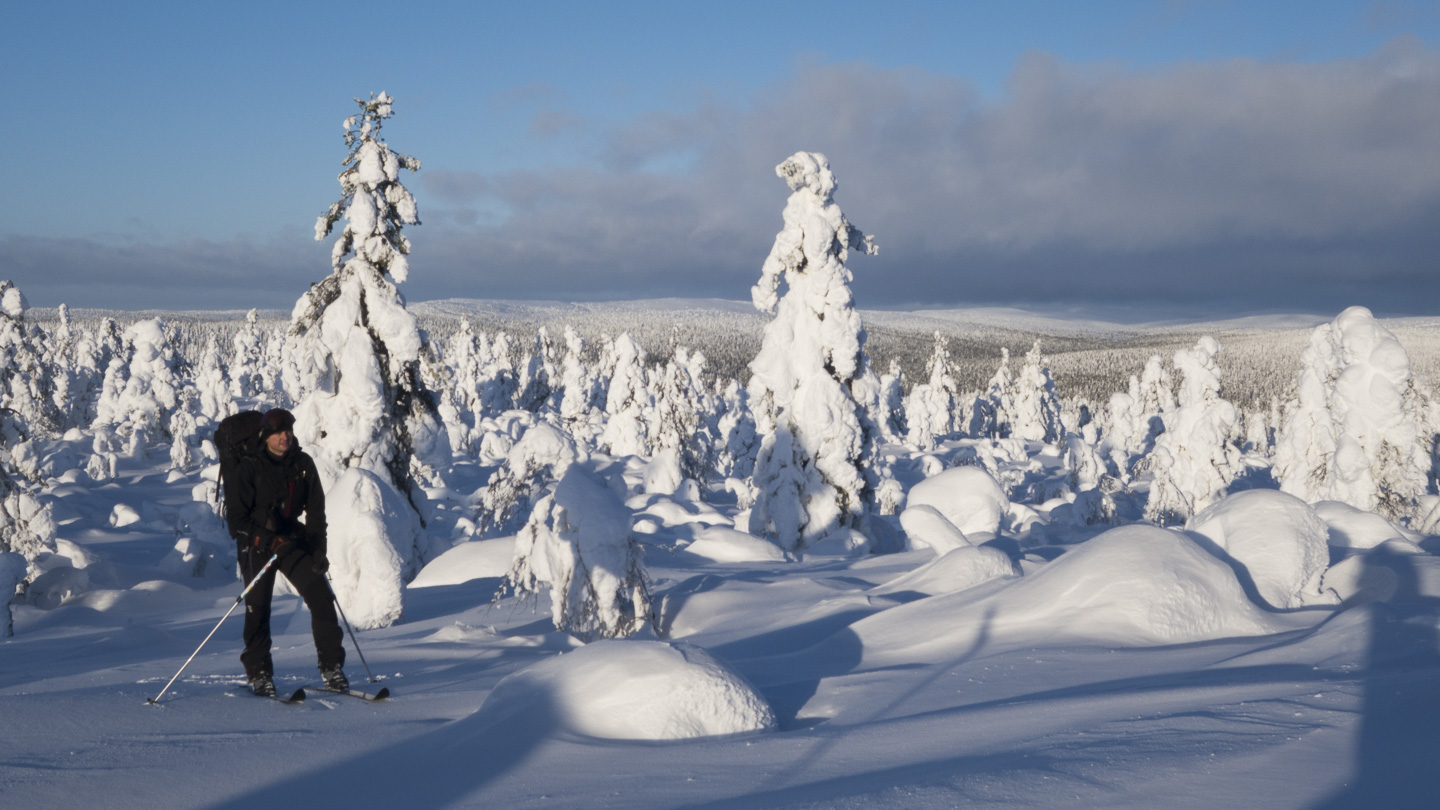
[991, 412]
[930, 407]
[26, 386]
[628, 405]
[246, 352]
[817, 472]
[580, 402]
[353, 353]
[892, 387]
[678, 426]
[1036, 414]
[1351, 433]
[1153, 399]
[1194, 460]
[142, 390]
[537, 382]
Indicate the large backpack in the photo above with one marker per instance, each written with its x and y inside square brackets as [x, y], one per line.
[236, 437]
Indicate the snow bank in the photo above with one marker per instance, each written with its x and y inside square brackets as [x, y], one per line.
[1277, 537]
[927, 528]
[966, 496]
[372, 534]
[953, 571]
[720, 544]
[1356, 528]
[631, 690]
[473, 560]
[1131, 586]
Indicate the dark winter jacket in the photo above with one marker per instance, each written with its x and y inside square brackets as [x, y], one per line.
[268, 497]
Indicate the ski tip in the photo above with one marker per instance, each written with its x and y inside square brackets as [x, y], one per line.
[298, 696]
[383, 693]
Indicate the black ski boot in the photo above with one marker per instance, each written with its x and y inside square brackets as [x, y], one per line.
[335, 679]
[263, 685]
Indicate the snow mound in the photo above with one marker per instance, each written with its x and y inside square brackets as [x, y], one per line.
[927, 528]
[631, 690]
[473, 560]
[720, 544]
[967, 496]
[1356, 528]
[1279, 539]
[953, 571]
[1131, 586]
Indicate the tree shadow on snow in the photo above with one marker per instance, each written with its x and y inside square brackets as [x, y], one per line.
[1400, 728]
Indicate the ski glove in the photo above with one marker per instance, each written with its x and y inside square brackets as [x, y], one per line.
[276, 544]
[322, 563]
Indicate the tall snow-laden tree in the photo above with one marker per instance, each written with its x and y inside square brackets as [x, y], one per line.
[628, 404]
[247, 352]
[817, 471]
[1194, 460]
[26, 383]
[353, 354]
[1351, 434]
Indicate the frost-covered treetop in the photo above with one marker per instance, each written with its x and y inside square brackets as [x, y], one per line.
[816, 233]
[378, 205]
[12, 301]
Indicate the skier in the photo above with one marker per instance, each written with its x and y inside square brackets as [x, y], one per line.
[272, 488]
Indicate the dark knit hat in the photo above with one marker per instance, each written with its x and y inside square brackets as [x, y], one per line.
[276, 420]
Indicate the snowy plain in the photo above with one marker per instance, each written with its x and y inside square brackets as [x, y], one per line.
[1038, 664]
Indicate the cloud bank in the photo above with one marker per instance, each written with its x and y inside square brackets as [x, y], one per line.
[1219, 187]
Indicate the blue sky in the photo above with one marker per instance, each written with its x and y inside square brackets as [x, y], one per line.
[1207, 156]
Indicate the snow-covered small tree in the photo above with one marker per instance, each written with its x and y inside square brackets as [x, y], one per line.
[142, 392]
[537, 381]
[992, 411]
[1153, 399]
[26, 381]
[677, 426]
[579, 406]
[930, 408]
[538, 459]
[213, 384]
[1351, 434]
[892, 387]
[817, 472]
[578, 545]
[1036, 406]
[246, 353]
[628, 405]
[1194, 460]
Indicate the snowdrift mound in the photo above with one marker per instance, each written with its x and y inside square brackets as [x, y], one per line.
[966, 496]
[719, 544]
[630, 690]
[1131, 586]
[1355, 528]
[953, 571]
[1279, 539]
[927, 528]
[473, 560]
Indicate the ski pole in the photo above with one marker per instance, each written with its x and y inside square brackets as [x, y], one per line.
[336, 600]
[155, 701]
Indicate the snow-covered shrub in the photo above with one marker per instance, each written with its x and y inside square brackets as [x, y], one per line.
[1194, 460]
[817, 471]
[1351, 433]
[353, 353]
[540, 457]
[1277, 537]
[578, 545]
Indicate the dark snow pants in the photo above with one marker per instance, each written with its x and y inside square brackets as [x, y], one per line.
[298, 567]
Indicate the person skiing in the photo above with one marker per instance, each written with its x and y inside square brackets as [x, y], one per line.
[272, 488]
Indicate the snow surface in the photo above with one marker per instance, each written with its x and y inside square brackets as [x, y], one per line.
[1131, 671]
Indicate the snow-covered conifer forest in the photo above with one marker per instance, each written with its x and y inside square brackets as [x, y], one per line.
[828, 556]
